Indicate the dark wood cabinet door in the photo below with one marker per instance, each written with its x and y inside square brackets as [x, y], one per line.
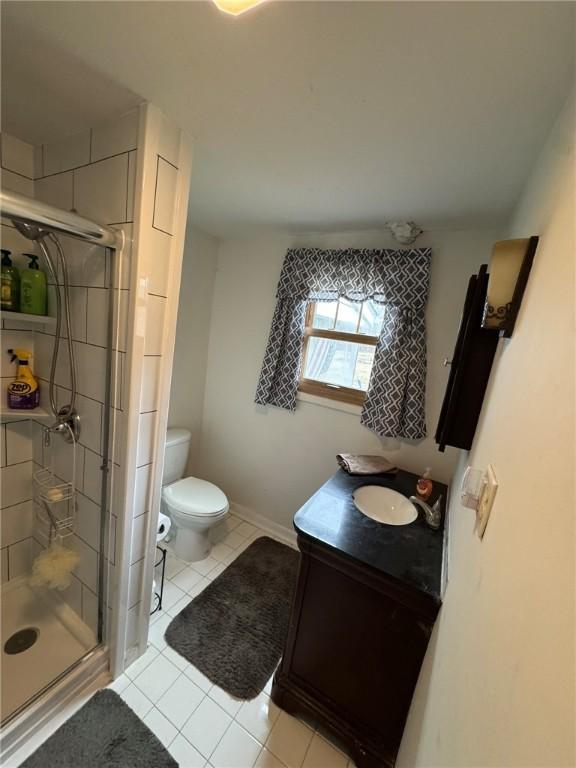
[361, 649]
[470, 370]
[354, 649]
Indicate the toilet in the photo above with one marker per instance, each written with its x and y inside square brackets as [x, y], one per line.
[193, 505]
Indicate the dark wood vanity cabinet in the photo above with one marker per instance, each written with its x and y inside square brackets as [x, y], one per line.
[354, 650]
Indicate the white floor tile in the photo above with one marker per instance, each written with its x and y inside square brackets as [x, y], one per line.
[178, 661]
[258, 716]
[157, 678]
[194, 674]
[136, 700]
[268, 687]
[200, 587]
[187, 579]
[221, 551]
[185, 754]
[175, 609]
[180, 701]
[206, 726]
[120, 684]
[289, 740]
[156, 631]
[323, 755]
[215, 572]
[232, 557]
[267, 760]
[173, 566]
[155, 616]
[171, 595]
[245, 530]
[233, 540]
[203, 567]
[142, 662]
[248, 541]
[237, 749]
[228, 703]
[160, 726]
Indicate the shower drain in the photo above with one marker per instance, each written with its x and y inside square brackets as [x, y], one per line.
[21, 640]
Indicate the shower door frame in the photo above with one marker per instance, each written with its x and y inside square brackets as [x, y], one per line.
[46, 703]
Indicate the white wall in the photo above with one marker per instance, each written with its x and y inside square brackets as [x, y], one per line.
[270, 460]
[190, 360]
[497, 686]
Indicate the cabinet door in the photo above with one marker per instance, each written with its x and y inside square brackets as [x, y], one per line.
[358, 651]
[470, 370]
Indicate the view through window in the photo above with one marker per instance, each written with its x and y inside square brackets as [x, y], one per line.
[339, 344]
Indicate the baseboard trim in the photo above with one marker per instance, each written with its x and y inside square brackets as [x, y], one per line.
[285, 535]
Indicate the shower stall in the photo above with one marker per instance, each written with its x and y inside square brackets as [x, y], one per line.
[58, 469]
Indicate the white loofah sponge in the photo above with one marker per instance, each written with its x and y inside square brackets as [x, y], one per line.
[53, 567]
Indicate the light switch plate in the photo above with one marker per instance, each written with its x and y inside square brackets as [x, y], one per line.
[486, 500]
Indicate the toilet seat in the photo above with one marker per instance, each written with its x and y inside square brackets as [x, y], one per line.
[195, 498]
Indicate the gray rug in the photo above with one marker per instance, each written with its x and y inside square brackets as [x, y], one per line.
[105, 733]
[234, 631]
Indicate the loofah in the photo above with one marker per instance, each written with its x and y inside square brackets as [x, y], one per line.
[53, 567]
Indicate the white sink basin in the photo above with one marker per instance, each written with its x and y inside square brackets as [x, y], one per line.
[384, 505]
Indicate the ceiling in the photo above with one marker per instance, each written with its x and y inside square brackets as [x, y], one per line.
[309, 115]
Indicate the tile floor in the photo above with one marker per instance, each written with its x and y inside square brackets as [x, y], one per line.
[200, 724]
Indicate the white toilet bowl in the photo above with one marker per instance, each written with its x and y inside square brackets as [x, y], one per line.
[194, 506]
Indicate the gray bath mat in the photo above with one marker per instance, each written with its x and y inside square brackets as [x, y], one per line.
[105, 733]
[234, 631]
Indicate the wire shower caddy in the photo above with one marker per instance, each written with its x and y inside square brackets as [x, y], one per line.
[55, 498]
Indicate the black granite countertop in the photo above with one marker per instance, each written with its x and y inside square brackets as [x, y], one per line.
[410, 554]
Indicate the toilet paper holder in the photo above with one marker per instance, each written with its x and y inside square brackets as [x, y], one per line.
[157, 595]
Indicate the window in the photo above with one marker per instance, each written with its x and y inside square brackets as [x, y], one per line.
[339, 343]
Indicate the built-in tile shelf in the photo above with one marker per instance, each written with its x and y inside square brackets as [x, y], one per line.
[22, 317]
[36, 414]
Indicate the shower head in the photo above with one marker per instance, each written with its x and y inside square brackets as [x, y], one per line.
[31, 231]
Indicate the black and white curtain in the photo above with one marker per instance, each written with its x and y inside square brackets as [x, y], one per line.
[397, 279]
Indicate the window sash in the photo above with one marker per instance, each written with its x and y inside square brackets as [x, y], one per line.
[322, 388]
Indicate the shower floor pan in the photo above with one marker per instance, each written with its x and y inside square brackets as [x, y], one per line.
[41, 638]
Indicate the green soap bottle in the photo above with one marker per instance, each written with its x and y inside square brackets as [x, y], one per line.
[10, 284]
[32, 288]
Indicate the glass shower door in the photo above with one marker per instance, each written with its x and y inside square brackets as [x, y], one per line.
[58, 535]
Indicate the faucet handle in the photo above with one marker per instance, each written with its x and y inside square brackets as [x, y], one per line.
[436, 513]
[437, 506]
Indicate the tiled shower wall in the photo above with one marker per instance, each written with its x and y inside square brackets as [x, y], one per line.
[16, 514]
[92, 173]
[131, 173]
[16, 448]
[159, 239]
[90, 273]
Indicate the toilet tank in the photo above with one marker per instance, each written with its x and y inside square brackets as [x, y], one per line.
[175, 454]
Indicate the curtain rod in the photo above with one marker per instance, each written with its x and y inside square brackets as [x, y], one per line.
[24, 209]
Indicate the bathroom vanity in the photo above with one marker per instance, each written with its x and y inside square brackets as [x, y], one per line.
[366, 600]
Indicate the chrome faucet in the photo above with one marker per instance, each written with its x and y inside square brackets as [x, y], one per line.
[433, 514]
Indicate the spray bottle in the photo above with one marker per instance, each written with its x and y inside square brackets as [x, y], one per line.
[24, 391]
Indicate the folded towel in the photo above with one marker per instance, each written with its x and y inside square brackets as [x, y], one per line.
[365, 465]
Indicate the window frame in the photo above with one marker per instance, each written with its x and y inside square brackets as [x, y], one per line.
[322, 388]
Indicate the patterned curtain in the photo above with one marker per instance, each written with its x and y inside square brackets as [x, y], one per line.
[398, 279]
